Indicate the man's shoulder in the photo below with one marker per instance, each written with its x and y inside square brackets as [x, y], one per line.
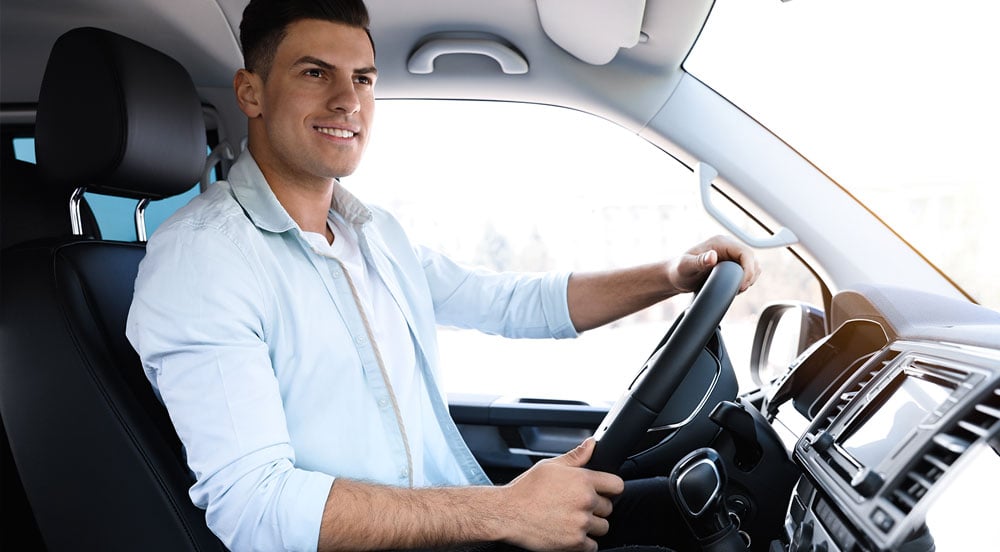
[208, 240]
[213, 212]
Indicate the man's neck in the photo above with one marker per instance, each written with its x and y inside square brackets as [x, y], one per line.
[307, 204]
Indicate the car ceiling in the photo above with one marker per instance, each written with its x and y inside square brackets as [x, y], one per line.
[643, 88]
[202, 35]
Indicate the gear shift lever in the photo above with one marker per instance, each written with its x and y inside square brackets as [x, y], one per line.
[698, 484]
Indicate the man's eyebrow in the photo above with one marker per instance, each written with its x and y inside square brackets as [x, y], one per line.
[310, 60]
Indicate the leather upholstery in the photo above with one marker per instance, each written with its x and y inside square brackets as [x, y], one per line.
[29, 210]
[94, 119]
[98, 457]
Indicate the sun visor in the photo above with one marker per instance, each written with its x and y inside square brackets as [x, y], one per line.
[592, 30]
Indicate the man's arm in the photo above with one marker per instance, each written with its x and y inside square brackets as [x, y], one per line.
[555, 505]
[597, 298]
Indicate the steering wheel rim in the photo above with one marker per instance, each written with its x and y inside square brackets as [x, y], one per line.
[634, 413]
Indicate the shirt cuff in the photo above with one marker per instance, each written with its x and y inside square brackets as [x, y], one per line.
[555, 304]
[304, 500]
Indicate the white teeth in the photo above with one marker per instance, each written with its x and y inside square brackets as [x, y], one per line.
[336, 132]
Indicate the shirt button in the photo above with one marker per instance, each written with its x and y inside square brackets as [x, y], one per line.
[336, 274]
[383, 403]
[361, 340]
[404, 473]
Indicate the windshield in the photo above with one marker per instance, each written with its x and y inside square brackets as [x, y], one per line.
[895, 100]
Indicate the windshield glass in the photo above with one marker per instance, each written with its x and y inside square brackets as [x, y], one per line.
[895, 100]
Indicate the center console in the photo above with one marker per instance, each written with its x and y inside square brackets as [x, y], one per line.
[874, 454]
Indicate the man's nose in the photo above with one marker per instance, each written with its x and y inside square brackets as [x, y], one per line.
[343, 97]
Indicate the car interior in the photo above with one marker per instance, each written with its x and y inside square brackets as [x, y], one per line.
[882, 397]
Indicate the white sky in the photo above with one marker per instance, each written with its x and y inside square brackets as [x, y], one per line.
[895, 99]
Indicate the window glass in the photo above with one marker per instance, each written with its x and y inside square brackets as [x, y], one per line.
[115, 215]
[895, 100]
[537, 188]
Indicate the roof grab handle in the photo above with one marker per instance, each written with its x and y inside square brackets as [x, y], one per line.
[706, 174]
[511, 61]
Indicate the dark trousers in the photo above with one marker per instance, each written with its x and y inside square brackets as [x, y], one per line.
[645, 515]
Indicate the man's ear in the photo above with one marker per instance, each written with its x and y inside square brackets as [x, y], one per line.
[249, 88]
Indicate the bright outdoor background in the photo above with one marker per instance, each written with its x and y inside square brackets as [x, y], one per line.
[537, 188]
[896, 100]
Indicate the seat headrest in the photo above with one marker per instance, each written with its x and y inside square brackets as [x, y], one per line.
[118, 117]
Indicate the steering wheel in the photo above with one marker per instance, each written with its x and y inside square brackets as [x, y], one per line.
[632, 416]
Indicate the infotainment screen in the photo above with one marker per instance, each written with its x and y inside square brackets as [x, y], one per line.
[886, 423]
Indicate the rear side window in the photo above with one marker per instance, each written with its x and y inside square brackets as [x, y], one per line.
[115, 214]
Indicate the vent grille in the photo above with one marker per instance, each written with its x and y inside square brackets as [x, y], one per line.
[846, 396]
[981, 422]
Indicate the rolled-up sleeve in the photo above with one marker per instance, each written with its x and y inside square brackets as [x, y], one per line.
[198, 324]
[516, 305]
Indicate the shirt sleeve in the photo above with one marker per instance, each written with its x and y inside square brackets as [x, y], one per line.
[517, 305]
[198, 322]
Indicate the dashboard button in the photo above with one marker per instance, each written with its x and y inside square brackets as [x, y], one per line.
[882, 520]
[822, 442]
[867, 482]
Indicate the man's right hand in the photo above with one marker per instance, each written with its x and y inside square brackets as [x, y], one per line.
[560, 505]
[557, 505]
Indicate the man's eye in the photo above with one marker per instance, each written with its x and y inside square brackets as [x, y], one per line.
[313, 73]
[362, 79]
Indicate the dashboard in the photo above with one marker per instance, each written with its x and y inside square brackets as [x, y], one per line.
[885, 413]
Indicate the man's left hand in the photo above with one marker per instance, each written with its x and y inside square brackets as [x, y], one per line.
[689, 271]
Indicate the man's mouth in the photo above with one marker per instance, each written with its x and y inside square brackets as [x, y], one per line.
[335, 132]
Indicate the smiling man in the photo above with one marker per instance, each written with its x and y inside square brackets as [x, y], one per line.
[290, 329]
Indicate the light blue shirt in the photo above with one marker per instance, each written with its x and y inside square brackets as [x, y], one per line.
[262, 356]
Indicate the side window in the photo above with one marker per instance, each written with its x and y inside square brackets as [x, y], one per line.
[535, 188]
[115, 214]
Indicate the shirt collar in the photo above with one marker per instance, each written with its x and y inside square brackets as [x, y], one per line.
[262, 207]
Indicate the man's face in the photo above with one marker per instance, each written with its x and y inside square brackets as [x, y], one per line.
[312, 115]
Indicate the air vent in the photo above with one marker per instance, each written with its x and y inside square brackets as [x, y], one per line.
[981, 422]
[848, 394]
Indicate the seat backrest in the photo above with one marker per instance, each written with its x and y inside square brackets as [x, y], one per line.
[100, 463]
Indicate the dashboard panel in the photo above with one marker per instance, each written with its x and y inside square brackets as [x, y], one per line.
[893, 404]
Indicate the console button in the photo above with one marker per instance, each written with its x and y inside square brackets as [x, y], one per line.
[836, 528]
[882, 520]
[822, 442]
[867, 482]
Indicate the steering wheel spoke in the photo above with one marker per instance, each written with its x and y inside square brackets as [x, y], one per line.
[625, 426]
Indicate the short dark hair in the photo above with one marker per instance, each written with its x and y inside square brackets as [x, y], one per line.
[265, 23]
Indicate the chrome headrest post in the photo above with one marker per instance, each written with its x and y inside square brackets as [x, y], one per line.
[140, 219]
[75, 220]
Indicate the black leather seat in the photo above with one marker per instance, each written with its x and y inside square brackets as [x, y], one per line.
[98, 457]
[29, 210]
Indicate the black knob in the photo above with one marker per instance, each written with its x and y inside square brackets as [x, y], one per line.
[822, 442]
[697, 484]
[867, 482]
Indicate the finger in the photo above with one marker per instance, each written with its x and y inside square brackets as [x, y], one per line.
[732, 250]
[755, 275]
[598, 526]
[603, 507]
[607, 484]
[708, 259]
[751, 271]
[579, 456]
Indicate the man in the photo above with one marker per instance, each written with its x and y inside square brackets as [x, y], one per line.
[290, 330]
